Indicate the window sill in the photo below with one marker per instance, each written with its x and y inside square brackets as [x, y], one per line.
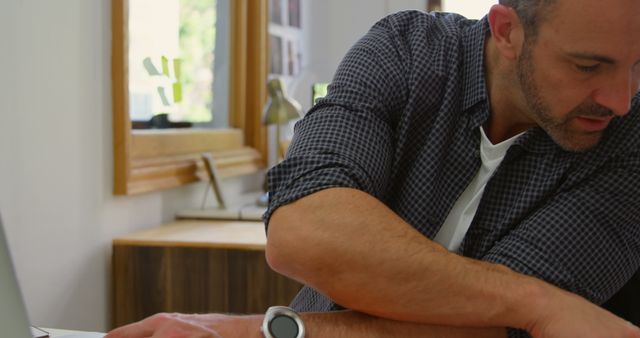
[163, 159]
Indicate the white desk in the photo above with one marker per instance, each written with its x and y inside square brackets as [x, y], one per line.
[57, 333]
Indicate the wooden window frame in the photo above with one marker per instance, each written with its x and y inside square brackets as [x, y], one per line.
[153, 160]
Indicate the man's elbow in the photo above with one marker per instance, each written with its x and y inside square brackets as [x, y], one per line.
[289, 250]
[276, 251]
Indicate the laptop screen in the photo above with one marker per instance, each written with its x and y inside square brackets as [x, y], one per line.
[13, 314]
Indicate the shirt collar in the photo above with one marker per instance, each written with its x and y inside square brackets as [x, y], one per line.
[536, 140]
[474, 88]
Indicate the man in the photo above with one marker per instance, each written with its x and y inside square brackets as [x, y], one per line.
[513, 142]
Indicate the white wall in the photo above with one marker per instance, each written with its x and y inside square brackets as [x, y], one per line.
[56, 160]
[473, 9]
[332, 27]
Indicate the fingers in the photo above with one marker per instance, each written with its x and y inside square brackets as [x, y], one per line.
[135, 330]
[164, 325]
[143, 329]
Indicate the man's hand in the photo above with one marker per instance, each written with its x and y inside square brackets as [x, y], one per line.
[574, 316]
[177, 325]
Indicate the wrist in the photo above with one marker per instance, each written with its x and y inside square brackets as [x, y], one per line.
[249, 325]
[536, 303]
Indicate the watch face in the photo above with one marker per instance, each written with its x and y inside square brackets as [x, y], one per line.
[283, 327]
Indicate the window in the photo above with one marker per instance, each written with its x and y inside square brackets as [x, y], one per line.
[150, 160]
[285, 38]
[178, 61]
[471, 9]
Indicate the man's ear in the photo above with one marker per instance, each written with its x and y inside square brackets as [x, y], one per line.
[506, 31]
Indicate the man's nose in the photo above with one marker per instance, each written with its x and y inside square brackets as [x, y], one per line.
[617, 93]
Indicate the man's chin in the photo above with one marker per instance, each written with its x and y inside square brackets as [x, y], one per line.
[577, 142]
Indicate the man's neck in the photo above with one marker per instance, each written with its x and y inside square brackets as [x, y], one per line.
[506, 118]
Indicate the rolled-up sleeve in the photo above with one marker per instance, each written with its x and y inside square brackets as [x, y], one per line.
[585, 240]
[347, 140]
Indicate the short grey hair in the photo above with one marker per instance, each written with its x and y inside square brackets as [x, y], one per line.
[531, 14]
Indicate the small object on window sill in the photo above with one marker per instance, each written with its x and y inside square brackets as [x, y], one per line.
[214, 181]
[159, 121]
[249, 212]
[244, 208]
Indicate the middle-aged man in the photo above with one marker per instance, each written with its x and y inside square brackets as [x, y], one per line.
[458, 178]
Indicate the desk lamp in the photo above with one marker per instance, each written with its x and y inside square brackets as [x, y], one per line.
[280, 109]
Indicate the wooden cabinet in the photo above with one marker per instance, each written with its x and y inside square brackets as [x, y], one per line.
[195, 267]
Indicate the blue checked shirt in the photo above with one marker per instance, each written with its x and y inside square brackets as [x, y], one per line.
[401, 122]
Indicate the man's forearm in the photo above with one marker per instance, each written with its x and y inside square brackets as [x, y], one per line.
[341, 324]
[353, 248]
[349, 324]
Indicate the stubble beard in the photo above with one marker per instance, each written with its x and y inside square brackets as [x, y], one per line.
[559, 129]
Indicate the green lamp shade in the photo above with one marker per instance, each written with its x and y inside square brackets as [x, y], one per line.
[280, 108]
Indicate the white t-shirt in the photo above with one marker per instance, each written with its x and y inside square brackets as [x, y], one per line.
[461, 215]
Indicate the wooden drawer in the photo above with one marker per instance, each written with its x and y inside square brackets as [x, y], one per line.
[195, 267]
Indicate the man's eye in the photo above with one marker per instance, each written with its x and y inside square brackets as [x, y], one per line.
[588, 69]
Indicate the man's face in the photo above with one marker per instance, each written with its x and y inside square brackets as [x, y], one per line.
[582, 69]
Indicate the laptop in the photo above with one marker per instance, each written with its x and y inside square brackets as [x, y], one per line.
[14, 321]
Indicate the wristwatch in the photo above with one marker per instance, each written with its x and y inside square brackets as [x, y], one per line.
[282, 322]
